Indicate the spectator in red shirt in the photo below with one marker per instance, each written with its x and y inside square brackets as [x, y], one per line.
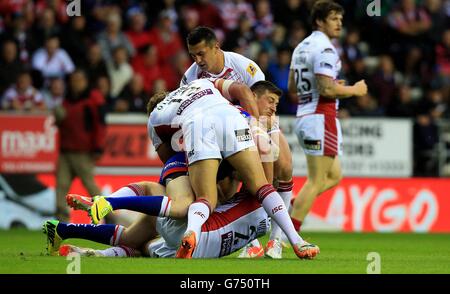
[82, 133]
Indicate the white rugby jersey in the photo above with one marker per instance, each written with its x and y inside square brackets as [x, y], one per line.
[315, 55]
[229, 228]
[186, 101]
[236, 67]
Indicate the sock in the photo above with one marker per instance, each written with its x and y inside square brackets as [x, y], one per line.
[151, 205]
[198, 214]
[129, 190]
[285, 191]
[105, 234]
[120, 251]
[275, 208]
[297, 224]
[255, 243]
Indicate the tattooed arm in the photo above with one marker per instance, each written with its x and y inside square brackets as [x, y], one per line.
[336, 89]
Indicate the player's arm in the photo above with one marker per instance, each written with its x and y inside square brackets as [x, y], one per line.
[292, 87]
[328, 87]
[236, 91]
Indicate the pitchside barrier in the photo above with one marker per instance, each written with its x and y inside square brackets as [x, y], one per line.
[377, 193]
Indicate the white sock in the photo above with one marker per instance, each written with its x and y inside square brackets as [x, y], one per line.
[276, 230]
[120, 251]
[129, 190]
[255, 243]
[275, 208]
[198, 214]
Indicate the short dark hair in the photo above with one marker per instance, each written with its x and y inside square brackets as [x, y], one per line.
[201, 34]
[154, 100]
[322, 8]
[260, 87]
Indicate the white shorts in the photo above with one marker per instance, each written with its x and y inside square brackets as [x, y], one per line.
[228, 229]
[218, 132]
[319, 134]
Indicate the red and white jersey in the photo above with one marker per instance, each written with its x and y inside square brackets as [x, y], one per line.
[181, 104]
[236, 67]
[230, 227]
[315, 55]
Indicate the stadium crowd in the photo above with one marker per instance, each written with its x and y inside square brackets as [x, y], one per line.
[131, 49]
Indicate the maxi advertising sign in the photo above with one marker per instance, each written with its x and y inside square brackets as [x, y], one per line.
[28, 143]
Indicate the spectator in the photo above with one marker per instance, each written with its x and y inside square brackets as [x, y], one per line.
[133, 98]
[76, 39]
[46, 27]
[82, 131]
[279, 71]
[95, 66]
[113, 37]
[287, 12]
[240, 39]
[232, 11]
[52, 61]
[10, 65]
[137, 34]
[22, 96]
[264, 19]
[167, 41]
[384, 83]
[365, 106]
[23, 37]
[54, 96]
[147, 66]
[403, 106]
[119, 71]
[209, 14]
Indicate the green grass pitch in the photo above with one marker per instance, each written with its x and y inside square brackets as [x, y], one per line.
[22, 251]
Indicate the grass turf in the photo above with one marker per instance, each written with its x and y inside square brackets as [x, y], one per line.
[23, 251]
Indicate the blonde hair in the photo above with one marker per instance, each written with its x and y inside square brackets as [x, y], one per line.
[154, 100]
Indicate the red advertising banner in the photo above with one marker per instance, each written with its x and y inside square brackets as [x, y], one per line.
[356, 205]
[28, 143]
[128, 145]
[384, 205]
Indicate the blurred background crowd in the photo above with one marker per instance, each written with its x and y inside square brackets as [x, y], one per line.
[129, 49]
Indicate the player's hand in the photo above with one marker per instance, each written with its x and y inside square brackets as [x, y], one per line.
[360, 88]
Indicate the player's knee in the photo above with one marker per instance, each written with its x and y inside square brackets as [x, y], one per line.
[335, 180]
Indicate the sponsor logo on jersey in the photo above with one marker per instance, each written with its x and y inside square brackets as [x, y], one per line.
[243, 135]
[326, 65]
[251, 69]
[226, 243]
[191, 153]
[193, 98]
[328, 50]
[312, 144]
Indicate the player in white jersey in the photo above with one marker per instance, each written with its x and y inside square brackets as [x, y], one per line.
[210, 134]
[211, 61]
[313, 77]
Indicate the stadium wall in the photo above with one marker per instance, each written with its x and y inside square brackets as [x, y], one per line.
[377, 193]
[356, 205]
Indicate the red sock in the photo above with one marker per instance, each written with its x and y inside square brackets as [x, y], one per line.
[297, 224]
